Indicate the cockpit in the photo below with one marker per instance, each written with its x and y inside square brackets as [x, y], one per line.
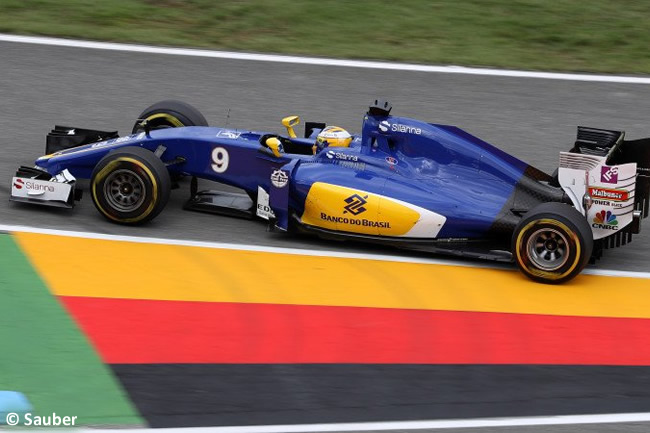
[317, 136]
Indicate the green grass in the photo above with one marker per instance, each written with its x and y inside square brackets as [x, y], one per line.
[574, 35]
[46, 357]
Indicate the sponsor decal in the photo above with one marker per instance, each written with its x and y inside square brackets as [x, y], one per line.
[391, 161]
[265, 211]
[331, 154]
[355, 221]
[609, 174]
[32, 186]
[53, 190]
[605, 220]
[263, 207]
[396, 127]
[355, 204]
[609, 194]
[228, 134]
[117, 141]
[279, 178]
[359, 166]
[333, 207]
[384, 126]
[608, 203]
[220, 160]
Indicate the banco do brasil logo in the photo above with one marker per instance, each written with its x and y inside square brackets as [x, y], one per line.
[355, 204]
[605, 220]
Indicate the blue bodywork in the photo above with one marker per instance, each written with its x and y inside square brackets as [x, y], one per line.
[436, 167]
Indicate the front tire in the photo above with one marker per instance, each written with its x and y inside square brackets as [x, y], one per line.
[130, 186]
[552, 243]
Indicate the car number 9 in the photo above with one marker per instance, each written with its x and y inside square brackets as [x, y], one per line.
[220, 159]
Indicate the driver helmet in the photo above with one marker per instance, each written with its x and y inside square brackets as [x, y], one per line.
[333, 136]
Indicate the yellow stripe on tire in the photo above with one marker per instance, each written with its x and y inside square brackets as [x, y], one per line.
[168, 117]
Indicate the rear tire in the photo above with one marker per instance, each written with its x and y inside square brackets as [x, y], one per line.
[552, 243]
[130, 186]
[170, 114]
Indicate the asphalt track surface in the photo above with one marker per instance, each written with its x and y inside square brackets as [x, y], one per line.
[533, 119]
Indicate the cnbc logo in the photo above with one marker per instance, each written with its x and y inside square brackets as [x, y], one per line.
[355, 204]
[605, 220]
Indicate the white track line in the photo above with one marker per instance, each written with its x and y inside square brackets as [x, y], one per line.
[410, 425]
[294, 251]
[321, 61]
[240, 247]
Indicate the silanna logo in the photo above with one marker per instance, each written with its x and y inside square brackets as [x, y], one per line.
[32, 185]
[384, 126]
[605, 220]
[355, 204]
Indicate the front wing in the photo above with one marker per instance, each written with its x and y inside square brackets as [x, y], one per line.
[31, 185]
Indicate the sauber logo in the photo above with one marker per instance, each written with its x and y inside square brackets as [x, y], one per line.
[609, 194]
[609, 174]
[605, 220]
[19, 183]
[355, 204]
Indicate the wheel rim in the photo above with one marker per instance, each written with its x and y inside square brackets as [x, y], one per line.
[548, 249]
[124, 190]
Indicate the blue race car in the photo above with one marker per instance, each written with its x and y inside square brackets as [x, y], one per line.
[401, 181]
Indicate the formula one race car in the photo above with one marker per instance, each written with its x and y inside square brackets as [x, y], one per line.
[402, 181]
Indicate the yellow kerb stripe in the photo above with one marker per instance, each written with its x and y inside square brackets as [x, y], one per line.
[116, 269]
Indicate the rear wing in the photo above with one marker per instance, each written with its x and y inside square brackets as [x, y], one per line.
[612, 146]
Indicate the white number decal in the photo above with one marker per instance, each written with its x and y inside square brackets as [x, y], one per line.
[220, 159]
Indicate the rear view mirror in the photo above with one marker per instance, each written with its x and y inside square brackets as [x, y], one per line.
[275, 146]
[289, 122]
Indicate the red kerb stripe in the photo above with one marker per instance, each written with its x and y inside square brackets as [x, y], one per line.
[144, 331]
